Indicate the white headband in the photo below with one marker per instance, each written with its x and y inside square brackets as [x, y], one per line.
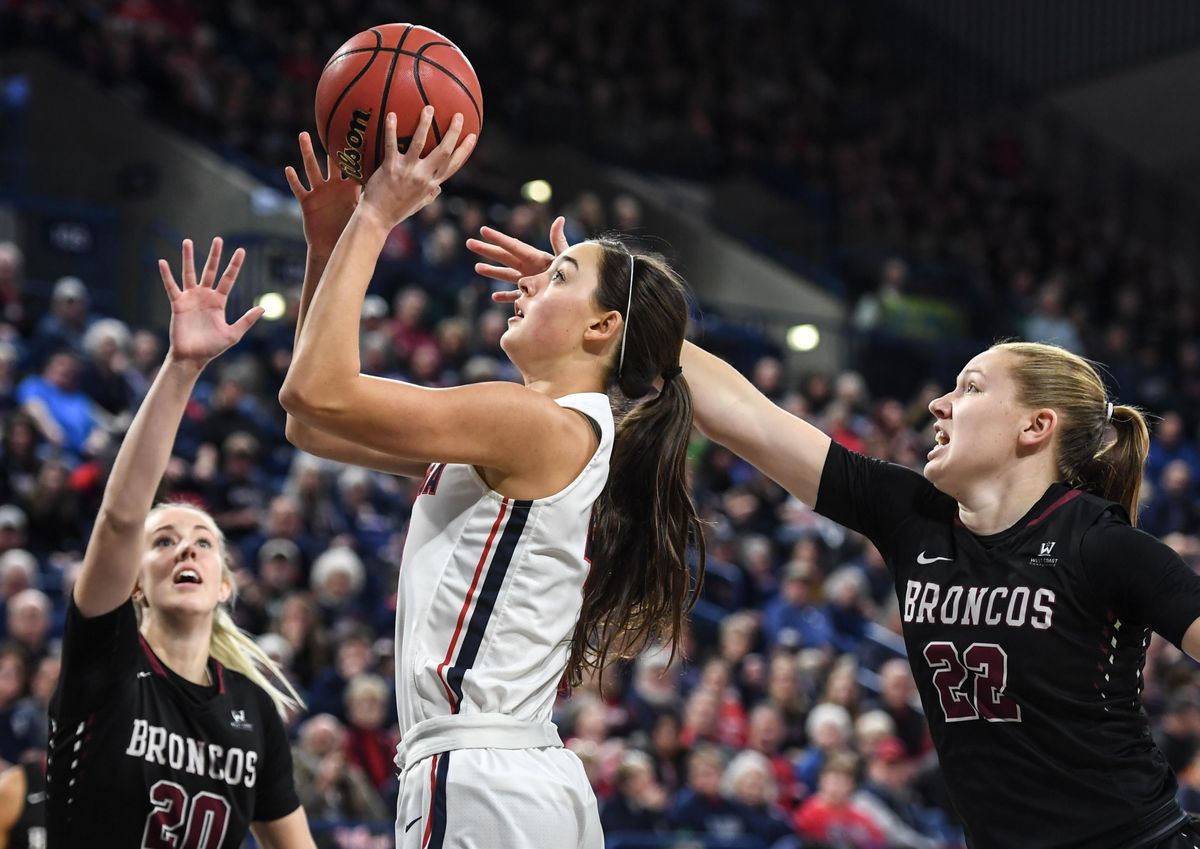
[625, 327]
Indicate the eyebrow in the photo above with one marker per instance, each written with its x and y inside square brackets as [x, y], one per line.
[571, 260]
[172, 527]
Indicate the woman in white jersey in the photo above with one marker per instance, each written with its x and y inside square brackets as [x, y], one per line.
[528, 492]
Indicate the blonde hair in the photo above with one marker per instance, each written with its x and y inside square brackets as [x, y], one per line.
[232, 647]
[1050, 376]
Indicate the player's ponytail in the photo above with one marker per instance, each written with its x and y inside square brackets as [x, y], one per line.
[640, 587]
[1049, 376]
[232, 647]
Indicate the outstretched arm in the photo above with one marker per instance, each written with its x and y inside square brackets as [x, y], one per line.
[326, 208]
[728, 408]
[199, 333]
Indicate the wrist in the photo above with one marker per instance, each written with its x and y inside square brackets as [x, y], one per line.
[187, 369]
[374, 219]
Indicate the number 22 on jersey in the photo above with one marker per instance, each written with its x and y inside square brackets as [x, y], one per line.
[981, 698]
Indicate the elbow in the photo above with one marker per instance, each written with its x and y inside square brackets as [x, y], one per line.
[309, 405]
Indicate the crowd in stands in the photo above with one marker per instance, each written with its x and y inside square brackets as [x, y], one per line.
[790, 718]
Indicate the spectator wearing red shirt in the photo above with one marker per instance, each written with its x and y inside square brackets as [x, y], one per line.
[830, 817]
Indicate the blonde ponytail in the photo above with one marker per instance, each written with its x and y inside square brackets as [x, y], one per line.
[234, 649]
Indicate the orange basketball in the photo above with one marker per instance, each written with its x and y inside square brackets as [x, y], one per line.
[397, 68]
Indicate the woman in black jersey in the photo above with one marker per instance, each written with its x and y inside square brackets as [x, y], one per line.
[165, 732]
[1027, 596]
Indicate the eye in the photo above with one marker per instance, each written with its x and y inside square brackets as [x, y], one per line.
[163, 541]
[203, 543]
[557, 275]
[971, 387]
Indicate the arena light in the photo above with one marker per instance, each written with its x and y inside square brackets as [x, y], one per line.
[538, 191]
[803, 337]
[274, 305]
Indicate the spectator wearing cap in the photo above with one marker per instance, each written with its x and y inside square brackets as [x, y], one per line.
[61, 411]
[329, 787]
[63, 327]
[830, 815]
[792, 619]
[886, 796]
[640, 801]
[699, 808]
[748, 781]
[13, 527]
[280, 571]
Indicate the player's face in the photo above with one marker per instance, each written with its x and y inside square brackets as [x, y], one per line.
[977, 425]
[182, 568]
[554, 309]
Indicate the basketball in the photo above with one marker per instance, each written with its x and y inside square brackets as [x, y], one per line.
[397, 68]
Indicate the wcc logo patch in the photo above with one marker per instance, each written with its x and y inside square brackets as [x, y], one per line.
[239, 722]
[1044, 557]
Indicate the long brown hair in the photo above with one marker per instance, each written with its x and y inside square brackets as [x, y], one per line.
[1049, 376]
[640, 589]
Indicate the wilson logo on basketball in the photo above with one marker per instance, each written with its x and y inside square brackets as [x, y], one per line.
[350, 157]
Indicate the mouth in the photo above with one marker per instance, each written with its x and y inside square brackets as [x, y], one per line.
[940, 438]
[517, 311]
[187, 575]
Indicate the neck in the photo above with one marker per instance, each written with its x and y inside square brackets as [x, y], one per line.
[566, 380]
[998, 503]
[184, 647]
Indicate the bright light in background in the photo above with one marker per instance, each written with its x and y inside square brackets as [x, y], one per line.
[274, 305]
[803, 337]
[538, 191]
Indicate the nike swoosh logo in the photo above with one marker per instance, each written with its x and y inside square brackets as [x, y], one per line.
[411, 824]
[925, 561]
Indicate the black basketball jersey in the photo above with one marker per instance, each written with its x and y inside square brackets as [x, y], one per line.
[29, 831]
[142, 757]
[1027, 648]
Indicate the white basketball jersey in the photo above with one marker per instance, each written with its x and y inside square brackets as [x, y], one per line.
[491, 587]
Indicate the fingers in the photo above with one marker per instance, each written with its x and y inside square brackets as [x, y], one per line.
[294, 183]
[497, 272]
[188, 270]
[417, 146]
[231, 271]
[168, 279]
[460, 156]
[311, 168]
[247, 321]
[506, 297]
[441, 155]
[520, 250]
[212, 263]
[558, 236]
[488, 251]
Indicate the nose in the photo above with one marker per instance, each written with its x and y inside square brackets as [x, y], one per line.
[185, 550]
[526, 284]
[940, 407]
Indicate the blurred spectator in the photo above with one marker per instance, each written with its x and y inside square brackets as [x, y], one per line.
[13, 672]
[61, 411]
[353, 658]
[63, 327]
[749, 782]
[831, 816]
[898, 699]
[329, 787]
[370, 745]
[337, 579]
[27, 618]
[238, 494]
[12, 263]
[639, 803]
[829, 732]
[792, 619]
[699, 808]
[886, 797]
[106, 347]
[1172, 509]
[30, 719]
[1171, 443]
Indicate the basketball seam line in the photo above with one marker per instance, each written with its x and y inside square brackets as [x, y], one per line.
[420, 58]
[416, 69]
[346, 90]
[387, 90]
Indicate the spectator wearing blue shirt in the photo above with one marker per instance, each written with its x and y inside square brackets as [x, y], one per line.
[791, 618]
[1170, 442]
[63, 414]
